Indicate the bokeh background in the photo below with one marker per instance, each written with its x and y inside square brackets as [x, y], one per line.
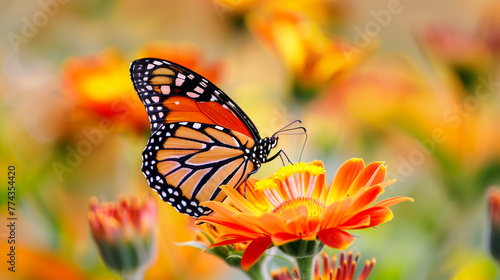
[412, 83]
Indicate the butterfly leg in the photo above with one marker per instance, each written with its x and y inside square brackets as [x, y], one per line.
[245, 188]
[281, 153]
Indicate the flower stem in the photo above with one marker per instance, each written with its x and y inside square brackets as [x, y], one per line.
[255, 272]
[133, 275]
[306, 267]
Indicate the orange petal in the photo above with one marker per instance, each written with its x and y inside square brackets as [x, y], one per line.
[335, 213]
[239, 201]
[281, 238]
[365, 197]
[272, 223]
[356, 222]
[220, 208]
[296, 219]
[230, 241]
[378, 215]
[393, 200]
[335, 238]
[231, 224]
[387, 183]
[251, 222]
[345, 176]
[254, 250]
[320, 186]
[372, 174]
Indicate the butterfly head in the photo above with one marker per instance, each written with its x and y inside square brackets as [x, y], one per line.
[264, 148]
[274, 142]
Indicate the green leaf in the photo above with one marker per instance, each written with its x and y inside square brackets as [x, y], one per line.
[194, 244]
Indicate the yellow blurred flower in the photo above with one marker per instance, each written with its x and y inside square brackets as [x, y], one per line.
[311, 58]
[321, 11]
[100, 83]
[383, 95]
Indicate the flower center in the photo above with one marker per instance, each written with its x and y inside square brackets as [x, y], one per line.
[314, 207]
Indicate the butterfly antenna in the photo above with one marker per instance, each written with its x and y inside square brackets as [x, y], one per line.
[288, 130]
[285, 128]
[303, 145]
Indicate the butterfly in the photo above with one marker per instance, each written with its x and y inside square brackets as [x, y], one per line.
[200, 139]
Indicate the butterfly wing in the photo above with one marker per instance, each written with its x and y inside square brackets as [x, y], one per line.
[172, 93]
[186, 163]
[200, 138]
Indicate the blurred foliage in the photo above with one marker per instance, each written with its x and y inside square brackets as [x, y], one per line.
[414, 83]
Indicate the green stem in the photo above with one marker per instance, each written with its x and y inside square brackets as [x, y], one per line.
[255, 272]
[306, 267]
[133, 275]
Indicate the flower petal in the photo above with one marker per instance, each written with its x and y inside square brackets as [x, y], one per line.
[378, 215]
[281, 238]
[393, 200]
[372, 174]
[229, 223]
[335, 213]
[365, 197]
[239, 201]
[345, 176]
[272, 222]
[254, 250]
[357, 221]
[230, 241]
[320, 186]
[335, 238]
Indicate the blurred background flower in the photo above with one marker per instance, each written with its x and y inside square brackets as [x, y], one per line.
[124, 232]
[421, 92]
[328, 269]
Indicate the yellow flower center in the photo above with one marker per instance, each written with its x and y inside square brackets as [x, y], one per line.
[314, 207]
[265, 184]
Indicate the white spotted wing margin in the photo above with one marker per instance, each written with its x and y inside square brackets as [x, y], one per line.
[186, 163]
[156, 80]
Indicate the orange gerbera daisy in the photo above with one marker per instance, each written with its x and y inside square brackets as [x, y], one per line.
[295, 204]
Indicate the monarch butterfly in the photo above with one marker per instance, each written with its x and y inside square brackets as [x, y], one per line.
[200, 138]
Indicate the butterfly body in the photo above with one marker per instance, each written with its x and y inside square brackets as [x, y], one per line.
[200, 138]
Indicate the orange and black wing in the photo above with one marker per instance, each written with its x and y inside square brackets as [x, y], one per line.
[186, 162]
[172, 93]
[200, 138]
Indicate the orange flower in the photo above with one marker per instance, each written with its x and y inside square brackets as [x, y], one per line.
[344, 271]
[312, 58]
[296, 204]
[185, 54]
[124, 233]
[100, 83]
